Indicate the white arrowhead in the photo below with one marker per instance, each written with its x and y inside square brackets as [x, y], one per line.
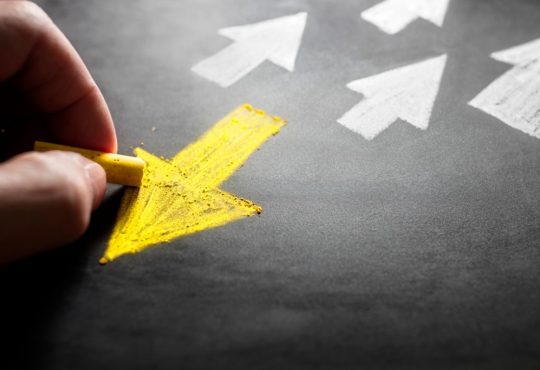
[514, 97]
[277, 40]
[392, 16]
[519, 55]
[406, 93]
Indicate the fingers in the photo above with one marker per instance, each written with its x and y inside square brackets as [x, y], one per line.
[45, 201]
[39, 60]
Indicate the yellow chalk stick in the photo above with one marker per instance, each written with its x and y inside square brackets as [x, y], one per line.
[120, 169]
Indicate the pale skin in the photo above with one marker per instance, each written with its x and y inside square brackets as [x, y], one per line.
[46, 92]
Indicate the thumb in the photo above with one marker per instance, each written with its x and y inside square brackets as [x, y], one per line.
[45, 201]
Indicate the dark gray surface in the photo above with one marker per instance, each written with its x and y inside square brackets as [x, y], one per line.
[418, 250]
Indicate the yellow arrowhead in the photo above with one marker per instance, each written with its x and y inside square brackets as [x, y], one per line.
[181, 196]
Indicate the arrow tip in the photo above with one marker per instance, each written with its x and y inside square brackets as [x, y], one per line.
[279, 37]
[520, 54]
[407, 93]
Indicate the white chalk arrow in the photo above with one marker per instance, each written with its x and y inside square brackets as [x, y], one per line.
[392, 16]
[277, 40]
[406, 93]
[514, 98]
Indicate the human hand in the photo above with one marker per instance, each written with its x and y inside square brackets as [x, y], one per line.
[46, 93]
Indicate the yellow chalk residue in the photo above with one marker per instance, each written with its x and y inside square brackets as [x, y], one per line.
[181, 196]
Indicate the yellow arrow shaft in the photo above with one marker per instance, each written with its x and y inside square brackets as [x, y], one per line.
[223, 149]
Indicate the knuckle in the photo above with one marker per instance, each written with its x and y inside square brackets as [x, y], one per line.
[73, 203]
[61, 181]
[30, 16]
[37, 161]
[29, 8]
[72, 200]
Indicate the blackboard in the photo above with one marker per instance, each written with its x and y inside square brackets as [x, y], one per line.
[419, 249]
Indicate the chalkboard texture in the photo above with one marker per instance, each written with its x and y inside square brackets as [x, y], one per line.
[419, 249]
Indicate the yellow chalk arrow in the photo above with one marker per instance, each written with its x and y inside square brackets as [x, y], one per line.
[181, 196]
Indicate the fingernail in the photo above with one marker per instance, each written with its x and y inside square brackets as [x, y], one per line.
[96, 175]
